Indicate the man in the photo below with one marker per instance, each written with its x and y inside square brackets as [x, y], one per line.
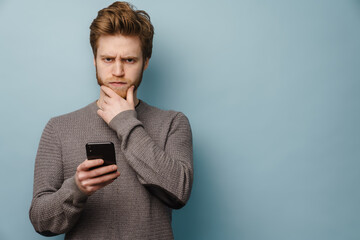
[134, 198]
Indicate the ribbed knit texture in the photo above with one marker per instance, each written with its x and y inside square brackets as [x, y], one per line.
[153, 147]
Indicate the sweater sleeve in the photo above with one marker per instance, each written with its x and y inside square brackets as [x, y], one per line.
[56, 204]
[166, 172]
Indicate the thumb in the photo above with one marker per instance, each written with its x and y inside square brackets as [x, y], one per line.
[100, 112]
[130, 95]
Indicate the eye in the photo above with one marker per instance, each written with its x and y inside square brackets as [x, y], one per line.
[130, 60]
[108, 60]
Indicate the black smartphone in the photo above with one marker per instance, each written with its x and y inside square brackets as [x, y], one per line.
[101, 150]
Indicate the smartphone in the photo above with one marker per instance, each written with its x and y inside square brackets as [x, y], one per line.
[101, 150]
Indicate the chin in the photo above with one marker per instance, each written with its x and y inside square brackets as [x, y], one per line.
[121, 93]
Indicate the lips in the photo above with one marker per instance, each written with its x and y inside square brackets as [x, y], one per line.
[117, 84]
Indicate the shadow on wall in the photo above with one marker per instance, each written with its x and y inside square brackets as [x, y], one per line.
[158, 87]
[203, 211]
[150, 89]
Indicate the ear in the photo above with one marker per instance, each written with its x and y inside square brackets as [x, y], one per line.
[94, 62]
[146, 63]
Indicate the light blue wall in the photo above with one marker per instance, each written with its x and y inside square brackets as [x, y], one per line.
[271, 88]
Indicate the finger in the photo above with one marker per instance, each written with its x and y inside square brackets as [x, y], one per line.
[93, 188]
[100, 101]
[93, 173]
[102, 93]
[100, 104]
[106, 99]
[100, 112]
[102, 170]
[101, 98]
[130, 95]
[84, 166]
[101, 179]
[108, 91]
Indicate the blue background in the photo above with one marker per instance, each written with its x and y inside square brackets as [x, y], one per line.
[271, 88]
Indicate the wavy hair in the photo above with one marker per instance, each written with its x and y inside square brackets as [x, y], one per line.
[122, 18]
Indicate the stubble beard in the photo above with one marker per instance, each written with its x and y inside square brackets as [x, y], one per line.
[121, 92]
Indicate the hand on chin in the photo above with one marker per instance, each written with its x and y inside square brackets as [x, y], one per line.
[121, 91]
[112, 103]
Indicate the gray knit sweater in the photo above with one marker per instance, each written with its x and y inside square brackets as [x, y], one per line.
[154, 156]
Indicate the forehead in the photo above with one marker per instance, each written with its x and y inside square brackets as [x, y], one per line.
[119, 45]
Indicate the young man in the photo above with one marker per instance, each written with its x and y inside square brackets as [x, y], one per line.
[154, 172]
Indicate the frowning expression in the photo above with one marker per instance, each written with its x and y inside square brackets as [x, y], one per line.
[119, 62]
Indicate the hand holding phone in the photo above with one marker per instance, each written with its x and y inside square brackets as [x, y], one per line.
[101, 156]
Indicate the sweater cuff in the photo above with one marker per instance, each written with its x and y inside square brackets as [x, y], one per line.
[124, 122]
[77, 195]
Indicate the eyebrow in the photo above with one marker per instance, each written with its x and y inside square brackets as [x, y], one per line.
[111, 56]
[130, 57]
[106, 56]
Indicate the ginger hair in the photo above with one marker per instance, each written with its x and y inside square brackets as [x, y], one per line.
[122, 18]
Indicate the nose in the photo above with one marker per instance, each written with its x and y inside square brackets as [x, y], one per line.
[118, 69]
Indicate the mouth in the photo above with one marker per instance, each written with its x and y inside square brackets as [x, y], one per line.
[117, 84]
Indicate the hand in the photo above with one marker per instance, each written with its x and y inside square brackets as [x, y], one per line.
[89, 181]
[112, 104]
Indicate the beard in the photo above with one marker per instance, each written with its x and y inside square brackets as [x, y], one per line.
[121, 91]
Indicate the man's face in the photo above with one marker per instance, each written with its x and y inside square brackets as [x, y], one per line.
[119, 62]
